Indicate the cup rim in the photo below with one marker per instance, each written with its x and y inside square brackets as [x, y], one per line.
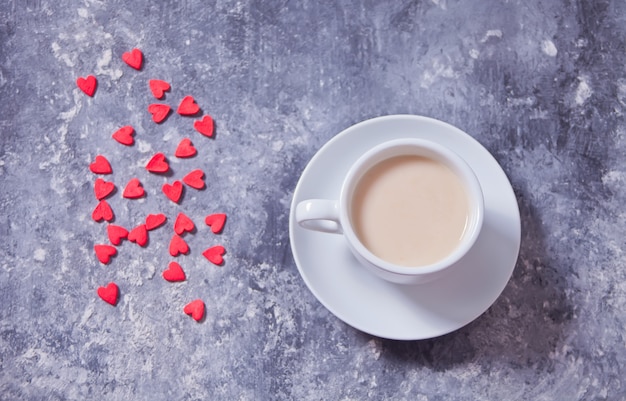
[452, 160]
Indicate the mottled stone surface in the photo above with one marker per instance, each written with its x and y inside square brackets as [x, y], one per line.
[541, 84]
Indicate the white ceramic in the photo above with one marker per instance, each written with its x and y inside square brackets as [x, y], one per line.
[333, 216]
[396, 311]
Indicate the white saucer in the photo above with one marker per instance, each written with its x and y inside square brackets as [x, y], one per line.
[396, 311]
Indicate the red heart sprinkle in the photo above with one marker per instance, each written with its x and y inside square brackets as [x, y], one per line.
[173, 191]
[87, 85]
[104, 252]
[109, 293]
[124, 135]
[195, 179]
[195, 309]
[204, 126]
[178, 246]
[158, 87]
[214, 254]
[116, 233]
[155, 220]
[183, 223]
[133, 189]
[188, 106]
[102, 212]
[158, 164]
[100, 166]
[159, 112]
[185, 149]
[139, 235]
[103, 188]
[216, 222]
[174, 272]
[133, 58]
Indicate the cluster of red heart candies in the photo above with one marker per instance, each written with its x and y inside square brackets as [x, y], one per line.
[158, 164]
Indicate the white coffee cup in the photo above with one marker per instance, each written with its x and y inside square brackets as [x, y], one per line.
[435, 177]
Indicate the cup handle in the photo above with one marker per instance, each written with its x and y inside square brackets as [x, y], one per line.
[319, 215]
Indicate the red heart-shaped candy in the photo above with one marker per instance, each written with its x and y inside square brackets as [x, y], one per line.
[159, 112]
[100, 165]
[154, 220]
[195, 309]
[195, 179]
[87, 85]
[102, 212]
[104, 252]
[216, 221]
[178, 246]
[124, 135]
[139, 235]
[103, 188]
[174, 272]
[173, 191]
[133, 58]
[204, 126]
[185, 149]
[183, 224]
[109, 293]
[133, 189]
[158, 164]
[116, 233]
[188, 106]
[158, 87]
[214, 254]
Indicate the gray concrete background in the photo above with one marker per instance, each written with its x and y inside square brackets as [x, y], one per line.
[541, 84]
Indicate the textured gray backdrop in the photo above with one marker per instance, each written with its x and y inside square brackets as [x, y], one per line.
[541, 84]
